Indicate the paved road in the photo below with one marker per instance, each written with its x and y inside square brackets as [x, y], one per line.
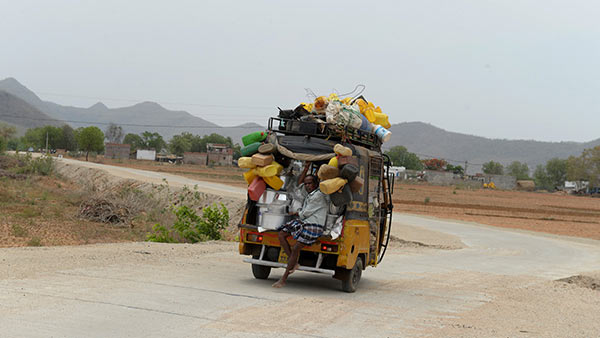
[164, 290]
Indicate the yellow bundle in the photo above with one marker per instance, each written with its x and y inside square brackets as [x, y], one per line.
[382, 120]
[274, 182]
[307, 106]
[333, 162]
[250, 175]
[373, 114]
[341, 150]
[332, 185]
[272, 169]
[246, 162]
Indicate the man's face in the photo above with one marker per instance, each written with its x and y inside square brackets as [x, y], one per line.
[309, 184]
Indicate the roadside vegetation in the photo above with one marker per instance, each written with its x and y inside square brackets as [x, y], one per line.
[40, 207]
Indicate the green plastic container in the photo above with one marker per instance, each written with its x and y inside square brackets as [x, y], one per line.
[257, 136]
[251, 149]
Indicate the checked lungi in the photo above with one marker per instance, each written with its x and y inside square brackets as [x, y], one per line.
[305, 233]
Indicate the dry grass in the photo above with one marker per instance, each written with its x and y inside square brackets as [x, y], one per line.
[554, 213]
[536, 211]
[43, 211]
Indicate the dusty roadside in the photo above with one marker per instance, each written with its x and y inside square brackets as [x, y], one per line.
[554, 213]
[439, 278]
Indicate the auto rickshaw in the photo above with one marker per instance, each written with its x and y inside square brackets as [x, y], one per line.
[357, 234]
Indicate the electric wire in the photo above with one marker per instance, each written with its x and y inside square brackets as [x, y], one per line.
[127, 124]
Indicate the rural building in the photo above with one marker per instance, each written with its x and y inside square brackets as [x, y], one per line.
[195, 158]
[145, 154]
[527, 185]
[441, 177]
[504, 182]
[117, 151]
[219, 154]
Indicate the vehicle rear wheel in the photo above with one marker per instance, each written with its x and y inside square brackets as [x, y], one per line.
[350, 282]
[260, 271]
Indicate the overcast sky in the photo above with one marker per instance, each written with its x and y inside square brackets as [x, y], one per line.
[500, 69]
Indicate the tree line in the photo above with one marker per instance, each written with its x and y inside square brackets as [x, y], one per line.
[92, 139]
[553, 174]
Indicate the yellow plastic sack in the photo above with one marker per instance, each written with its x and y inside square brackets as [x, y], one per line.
[246, 162]
[362, 105]
[250, 175]
[307, 106]
[369, 114]
[333, 97]
[274, 182]
[332, 185]
[272, 169]
[333, 162]
[341, 150]
[321, 103]
[366, 109]
[382, 120]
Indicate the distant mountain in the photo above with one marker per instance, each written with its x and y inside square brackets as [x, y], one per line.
[145, 116]
[19, 113]
[424, 139]
[428, 140]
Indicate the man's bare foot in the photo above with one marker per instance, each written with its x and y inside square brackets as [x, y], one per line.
[278, 284]
[296, 267]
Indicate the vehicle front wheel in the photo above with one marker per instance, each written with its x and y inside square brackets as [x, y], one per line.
[350, 282]
[260, 271]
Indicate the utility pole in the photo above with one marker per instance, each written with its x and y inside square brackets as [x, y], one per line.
[46, 143]
[466, 163]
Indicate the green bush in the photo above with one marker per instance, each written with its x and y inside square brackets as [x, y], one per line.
[3, 144]
[192, 228]
[42, 165]
[161, 234]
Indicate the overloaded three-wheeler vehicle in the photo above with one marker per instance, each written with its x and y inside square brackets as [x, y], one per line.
[358, 224]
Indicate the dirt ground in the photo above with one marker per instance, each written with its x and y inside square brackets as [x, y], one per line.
[554, 213]
[42, 211]
[228, 175]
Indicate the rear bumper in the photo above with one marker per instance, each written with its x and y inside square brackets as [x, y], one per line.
[283, 265]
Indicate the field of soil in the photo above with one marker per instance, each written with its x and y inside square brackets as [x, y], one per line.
[226, 175]
[43, 211]
[554, 213]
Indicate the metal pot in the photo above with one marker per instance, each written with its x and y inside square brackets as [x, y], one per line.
[270, 196]
[262, 208]
[279, 207]
[273, 221]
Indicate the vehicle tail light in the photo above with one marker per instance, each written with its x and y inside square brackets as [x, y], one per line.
[329, 247]
[253, 237]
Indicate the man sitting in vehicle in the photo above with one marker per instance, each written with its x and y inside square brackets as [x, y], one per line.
[308, 227]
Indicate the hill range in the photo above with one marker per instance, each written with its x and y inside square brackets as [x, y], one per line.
[21, 107]
[144, 116]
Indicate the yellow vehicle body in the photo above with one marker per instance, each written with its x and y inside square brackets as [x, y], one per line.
[363, 237]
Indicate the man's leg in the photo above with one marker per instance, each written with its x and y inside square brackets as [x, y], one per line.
[284, 243]
[291, 266]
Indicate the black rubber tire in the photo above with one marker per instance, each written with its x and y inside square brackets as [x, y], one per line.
[261, 271]
[350, 283]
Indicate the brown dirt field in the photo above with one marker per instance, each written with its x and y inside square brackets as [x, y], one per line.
[553, 213]
[228, 175]
[42, 210]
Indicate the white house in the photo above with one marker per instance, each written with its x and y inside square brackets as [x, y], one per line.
[145, 154]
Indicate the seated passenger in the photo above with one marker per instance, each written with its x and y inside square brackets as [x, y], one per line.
[308, 227]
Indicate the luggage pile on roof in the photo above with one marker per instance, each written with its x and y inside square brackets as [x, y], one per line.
[343, 113]
[357, 113]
